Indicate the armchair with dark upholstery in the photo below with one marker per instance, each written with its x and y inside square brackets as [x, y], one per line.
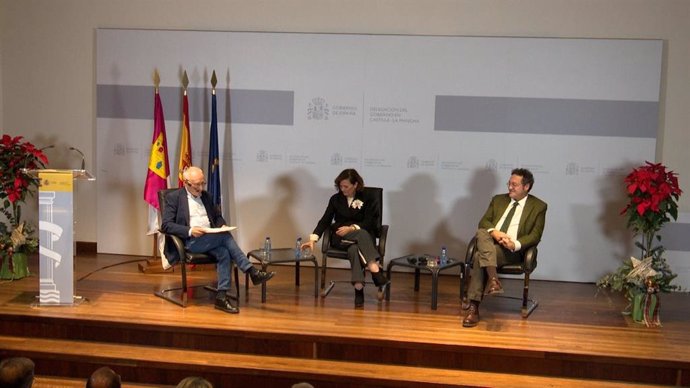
[180, 295]
[526, 267]
[335, 253]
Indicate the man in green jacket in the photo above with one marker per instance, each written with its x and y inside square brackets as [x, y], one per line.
[513, 222]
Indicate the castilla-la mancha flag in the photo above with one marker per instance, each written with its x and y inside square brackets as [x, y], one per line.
[159, 169]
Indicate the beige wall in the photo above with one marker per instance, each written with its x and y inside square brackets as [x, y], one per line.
[47, 52]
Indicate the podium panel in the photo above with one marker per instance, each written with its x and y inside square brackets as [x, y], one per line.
[56, 233]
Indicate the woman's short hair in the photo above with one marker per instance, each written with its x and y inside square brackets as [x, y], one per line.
[352, 176]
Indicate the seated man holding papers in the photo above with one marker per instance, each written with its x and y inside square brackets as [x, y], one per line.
[190, 215]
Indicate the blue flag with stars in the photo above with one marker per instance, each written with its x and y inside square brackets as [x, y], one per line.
[213, 179]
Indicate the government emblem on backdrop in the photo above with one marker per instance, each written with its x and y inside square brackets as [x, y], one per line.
[412, 162]
[318, 109]
[336, 159]
[262, 156]
[572, 168]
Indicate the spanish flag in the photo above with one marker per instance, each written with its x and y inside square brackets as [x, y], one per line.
[185, 141]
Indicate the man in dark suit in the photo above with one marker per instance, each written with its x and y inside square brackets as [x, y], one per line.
[187, 212]
[512, 223]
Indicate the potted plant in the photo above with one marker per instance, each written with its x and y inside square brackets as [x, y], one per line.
[653, 193]
[17, 238]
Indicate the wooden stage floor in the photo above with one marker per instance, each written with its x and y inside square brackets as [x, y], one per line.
[576, 332]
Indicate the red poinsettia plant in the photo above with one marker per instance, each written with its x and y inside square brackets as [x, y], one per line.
[16, 155]
[653, 194]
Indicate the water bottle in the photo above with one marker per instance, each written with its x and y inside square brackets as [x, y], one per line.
[267, 246]
[444, 256]
[298, 248]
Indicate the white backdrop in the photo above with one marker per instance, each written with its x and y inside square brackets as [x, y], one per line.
[372, 102]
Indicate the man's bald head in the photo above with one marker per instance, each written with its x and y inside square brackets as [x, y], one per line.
[193, 173]
[104, 377]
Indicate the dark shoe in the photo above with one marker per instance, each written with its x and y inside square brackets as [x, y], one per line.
[380, 280]
[494, 287]
[472, 317]
[225, 305]
[259, 277]
[359, 298]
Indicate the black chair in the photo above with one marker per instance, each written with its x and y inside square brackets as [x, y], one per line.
[526, 267]
[380, 240]
[188, 258]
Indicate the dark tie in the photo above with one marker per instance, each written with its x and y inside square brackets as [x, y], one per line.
[509, 217]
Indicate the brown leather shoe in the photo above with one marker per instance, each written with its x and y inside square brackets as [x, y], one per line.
[493, 287]
[472, 317]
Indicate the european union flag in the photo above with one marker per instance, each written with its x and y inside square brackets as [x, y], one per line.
[213, 179]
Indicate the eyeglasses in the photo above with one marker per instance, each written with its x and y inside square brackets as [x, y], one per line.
[198, 184]
[514, 185]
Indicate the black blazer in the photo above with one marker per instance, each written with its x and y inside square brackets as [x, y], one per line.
[176, 219]
[338, 214]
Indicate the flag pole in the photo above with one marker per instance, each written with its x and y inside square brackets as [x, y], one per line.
[156, 84]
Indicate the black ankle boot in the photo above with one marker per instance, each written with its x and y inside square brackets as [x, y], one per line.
[259, 277]
[359, 298]
[380, 280]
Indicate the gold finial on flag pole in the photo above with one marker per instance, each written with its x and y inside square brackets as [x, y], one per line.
[214, 81]
[156, 79]
[185, 82]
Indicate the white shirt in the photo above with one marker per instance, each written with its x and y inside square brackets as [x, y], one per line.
[514, 222]
[197, 213]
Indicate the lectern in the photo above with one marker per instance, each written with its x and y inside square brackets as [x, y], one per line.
[56, 234]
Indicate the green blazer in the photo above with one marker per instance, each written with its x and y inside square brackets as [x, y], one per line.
[531, 223]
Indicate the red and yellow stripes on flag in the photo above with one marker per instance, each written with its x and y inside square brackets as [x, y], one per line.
[185, 142]
[158, 168]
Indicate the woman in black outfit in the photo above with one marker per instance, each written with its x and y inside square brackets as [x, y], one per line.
[350, 215]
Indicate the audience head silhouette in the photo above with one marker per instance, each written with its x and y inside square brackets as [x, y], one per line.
[194, 382]
[104, 378]
[16, 372]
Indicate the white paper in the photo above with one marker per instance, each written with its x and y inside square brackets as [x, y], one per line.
[222, 229]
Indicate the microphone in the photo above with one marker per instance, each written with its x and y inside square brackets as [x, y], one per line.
[83, 159]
